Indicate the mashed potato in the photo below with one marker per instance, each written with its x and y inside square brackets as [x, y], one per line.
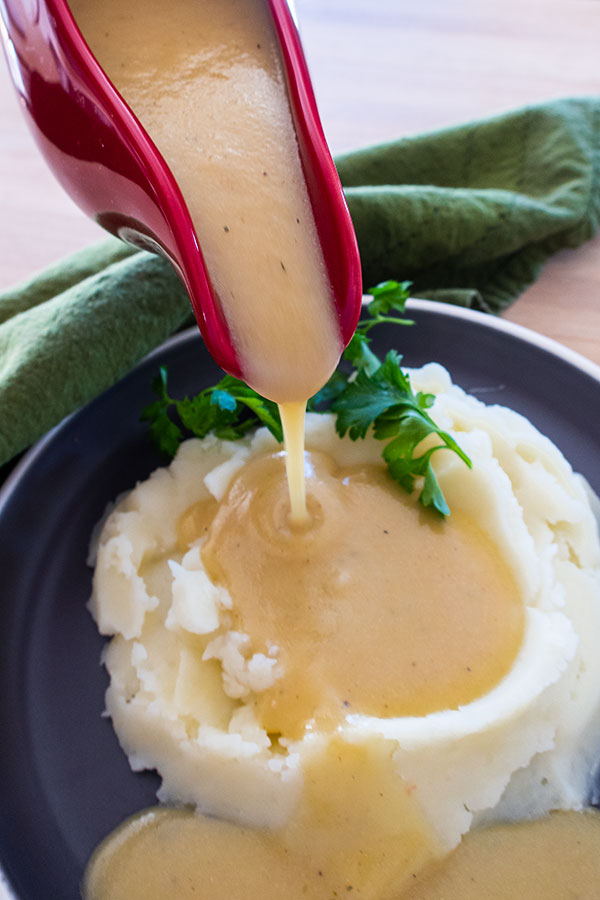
[182, 684]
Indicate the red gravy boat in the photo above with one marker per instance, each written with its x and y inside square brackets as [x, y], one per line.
[105, 160]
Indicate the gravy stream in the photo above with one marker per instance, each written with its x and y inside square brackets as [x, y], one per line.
[206, 81]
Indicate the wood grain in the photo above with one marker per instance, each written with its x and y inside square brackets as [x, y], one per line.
[381, 70]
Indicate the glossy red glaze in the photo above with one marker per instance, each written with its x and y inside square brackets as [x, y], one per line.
[104, 159]
[334, 225]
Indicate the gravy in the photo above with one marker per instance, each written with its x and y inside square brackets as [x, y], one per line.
[349, 838]
[554, 858]
[386, 610]
[206, 82]
[357, 832]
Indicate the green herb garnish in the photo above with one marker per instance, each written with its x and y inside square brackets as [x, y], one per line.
[364, 392]
[228, 409]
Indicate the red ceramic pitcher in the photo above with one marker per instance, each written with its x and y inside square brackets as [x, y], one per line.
[104, 159]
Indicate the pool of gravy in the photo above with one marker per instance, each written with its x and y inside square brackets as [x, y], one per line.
[553, 858]
[388, 610]
[357, 833]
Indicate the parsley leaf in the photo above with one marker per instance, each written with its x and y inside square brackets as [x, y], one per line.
[361, 402]
[228, 409]
[385, 401]
[164, 432]
[369, 393]
[387, 296]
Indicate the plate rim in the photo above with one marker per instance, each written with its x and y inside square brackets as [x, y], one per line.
[514, 329]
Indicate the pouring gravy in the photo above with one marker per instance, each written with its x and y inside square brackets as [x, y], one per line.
[206, 82]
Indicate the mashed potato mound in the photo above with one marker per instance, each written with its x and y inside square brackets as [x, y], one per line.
[180, 696]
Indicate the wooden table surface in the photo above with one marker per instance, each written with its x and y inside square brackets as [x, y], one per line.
[382, 69]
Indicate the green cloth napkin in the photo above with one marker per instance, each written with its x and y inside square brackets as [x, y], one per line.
[469, 214]
[478, 208]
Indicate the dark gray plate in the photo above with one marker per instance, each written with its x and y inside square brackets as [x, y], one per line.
[64, 782]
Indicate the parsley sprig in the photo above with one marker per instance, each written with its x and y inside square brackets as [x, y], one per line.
[365, 393]
[228, 409]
